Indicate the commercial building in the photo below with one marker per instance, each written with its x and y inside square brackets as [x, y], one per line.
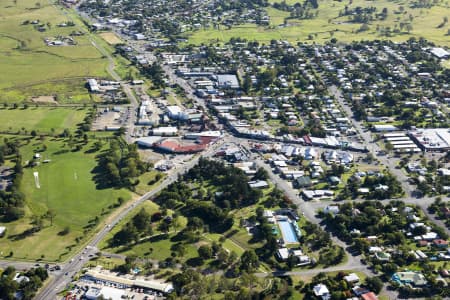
[196, 135]
[228, 81]
[105, 292]
[124, 282]
[432, 140]
[165, 131]
[175, 112]
[148, 141]
[383, 128]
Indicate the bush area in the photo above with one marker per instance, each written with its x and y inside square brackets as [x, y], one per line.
[9, 287]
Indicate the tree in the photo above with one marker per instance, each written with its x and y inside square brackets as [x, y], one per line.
[247, 84]
[261, 174]
[50, 215]
[205, 252]
[374, 284]
[66, 132]
[249, 261]
[141, 220]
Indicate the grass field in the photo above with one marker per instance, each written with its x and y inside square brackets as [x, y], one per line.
[30, 67]
[144, 180]
[111, 38]
[68, 189]
[328, 24]
[41, 119]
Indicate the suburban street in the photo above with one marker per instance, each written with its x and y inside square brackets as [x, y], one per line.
[389, 161]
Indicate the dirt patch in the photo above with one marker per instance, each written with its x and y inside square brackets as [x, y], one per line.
[44, 99]
[150, 156]
[111, 38]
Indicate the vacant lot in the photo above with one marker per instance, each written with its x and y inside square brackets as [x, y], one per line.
[111, 38]
[329, 24]
[30, 67]
[41, 119]
[67, 188]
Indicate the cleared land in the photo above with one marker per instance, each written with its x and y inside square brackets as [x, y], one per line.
[68, 189]
[328, 24]
[30, 67]
[41, 119]
[111, 38]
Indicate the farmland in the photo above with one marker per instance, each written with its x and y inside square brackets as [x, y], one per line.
[425, 22]
[30, 67]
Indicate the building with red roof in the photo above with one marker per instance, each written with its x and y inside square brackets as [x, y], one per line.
[369, 296]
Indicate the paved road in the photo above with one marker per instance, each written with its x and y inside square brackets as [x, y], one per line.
[313, 272]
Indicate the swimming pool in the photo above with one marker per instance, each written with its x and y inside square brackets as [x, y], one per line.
[288, 232]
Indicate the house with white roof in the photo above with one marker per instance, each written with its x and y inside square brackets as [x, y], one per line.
[321, 290]
[351, 278]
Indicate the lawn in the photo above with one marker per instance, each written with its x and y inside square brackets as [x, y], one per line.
[67, 188]
[41, 119]
[328, 24]
[147, 181]
[28, 65]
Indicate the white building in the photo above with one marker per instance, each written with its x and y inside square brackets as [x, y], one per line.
[322, 291]
[93, 85]
[175, 112]
[283, 254]
[165, 131]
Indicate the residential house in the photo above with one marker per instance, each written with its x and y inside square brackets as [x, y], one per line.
[321, 290]
[351, 278]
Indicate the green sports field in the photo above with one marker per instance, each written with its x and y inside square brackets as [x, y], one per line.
[31, 68]
[41, 119]
[67, 187]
